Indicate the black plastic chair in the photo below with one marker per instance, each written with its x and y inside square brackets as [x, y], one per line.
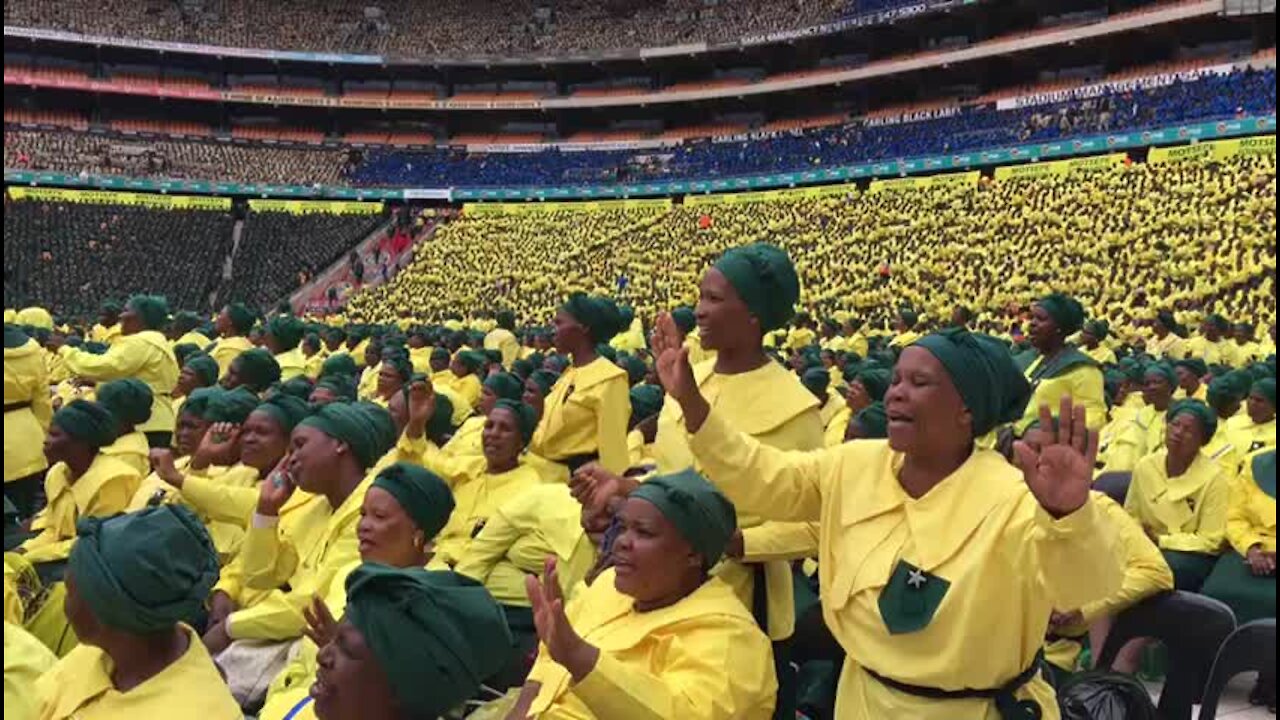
[1192, 627]
[1252, 647]
[1114, 485]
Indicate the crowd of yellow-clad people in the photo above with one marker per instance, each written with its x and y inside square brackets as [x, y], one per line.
[595, 464]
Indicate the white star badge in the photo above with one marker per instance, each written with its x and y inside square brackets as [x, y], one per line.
[916, 579]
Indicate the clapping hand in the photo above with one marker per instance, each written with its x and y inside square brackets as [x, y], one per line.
[554, 630]
[671, 359]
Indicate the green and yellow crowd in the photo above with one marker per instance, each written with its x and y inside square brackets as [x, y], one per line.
[621, 462]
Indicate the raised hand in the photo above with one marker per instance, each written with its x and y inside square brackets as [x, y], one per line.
[1058, 467]
[219, 446]
[162, 464]
[554, 630]
[321, 627]
[276, 489]
[671, 359]
[593, 486]
[422, 406]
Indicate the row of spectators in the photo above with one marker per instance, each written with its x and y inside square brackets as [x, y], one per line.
[1192, 235]
[75, 153]
[414, 28]
[64, 255]
[1208, 97]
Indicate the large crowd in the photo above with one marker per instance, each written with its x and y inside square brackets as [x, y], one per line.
[446, 28]
[915, 451]
[75, 153]
[66, 255]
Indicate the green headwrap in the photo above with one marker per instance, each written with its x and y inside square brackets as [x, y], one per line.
[1195, 365]
[87, 422]
[205, 368]
[242, 318]
[872, 421]
[1218, 322]
[627, 315]
[1225, 390]
[704, 517]
[1098, 329]
[646, 401]
[1165, 319]
[598, 314]
[285, 410]
[1189, 406]
[299, 387]
[505, 385]
[153, 310]
[1161, 370]
[1246, 328]
[287, 330]
[397, 359]
[544, 379]
[471, 360]
[257, 369]
[1265, 389]
[685, 319]
[146, 571]
[442, 421]
[197, 402]
[765, 279]
[185, 321]
[14, 337]
[343, 387]
[439, 353]
[635, 367]
[910, 317]
[493, 357]
[436, 635]
[875, 381]
[340, 364]
[993, 389]
[184, 352]
[383, 425]
[816, 380]
[607, 352]
[526, 417]
[231, 406]
[423, 495]
[129, 400]
[1132, 369]
[1066, 311]
[349, 424]
[110, 307]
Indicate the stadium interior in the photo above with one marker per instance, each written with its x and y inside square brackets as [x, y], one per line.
[444, 170]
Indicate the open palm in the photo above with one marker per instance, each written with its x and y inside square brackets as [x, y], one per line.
[1058, 464]
[671, 359]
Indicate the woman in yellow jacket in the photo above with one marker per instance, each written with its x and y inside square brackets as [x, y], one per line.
[467, 439]
[585, 417]
[283, 336]
[142, 352]
[25, 660]
[130, 401]
[1145, 433]
[1180, 495]
[1189, 372]
[1245, 576]
[925, 540]
[134, 582]
[27, 412]
[656, 635]
[1060, 370]
[1167, 343]
[404, 509]
[1256, 428]
[1091, 337]
[81, 483]
[233, 325]
[1145, 574]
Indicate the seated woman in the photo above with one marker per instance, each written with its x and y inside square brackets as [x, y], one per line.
[412, 644]
[404, 509]
[233, 325]
[1145, 574]
[642, 426]
[396, 370]
[1189, 372]
[189, 431]
[129, 400]
[81, 483]
[1060, 370]
[1180, 495]
[198, 371]
[282, 336]
[1225, 396]
[866, 387]
[654, 636]
[134, 583]
[1145, 434]
[585, 418]
[315, 354]
[1244, 577]
[254, 369]
[465, 369]
[1256, 429]
[466, 439]
[833, 411]
[481, 484]
[517, 538]
[1091, 337]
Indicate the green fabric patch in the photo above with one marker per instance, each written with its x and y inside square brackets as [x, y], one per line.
[910, 599]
